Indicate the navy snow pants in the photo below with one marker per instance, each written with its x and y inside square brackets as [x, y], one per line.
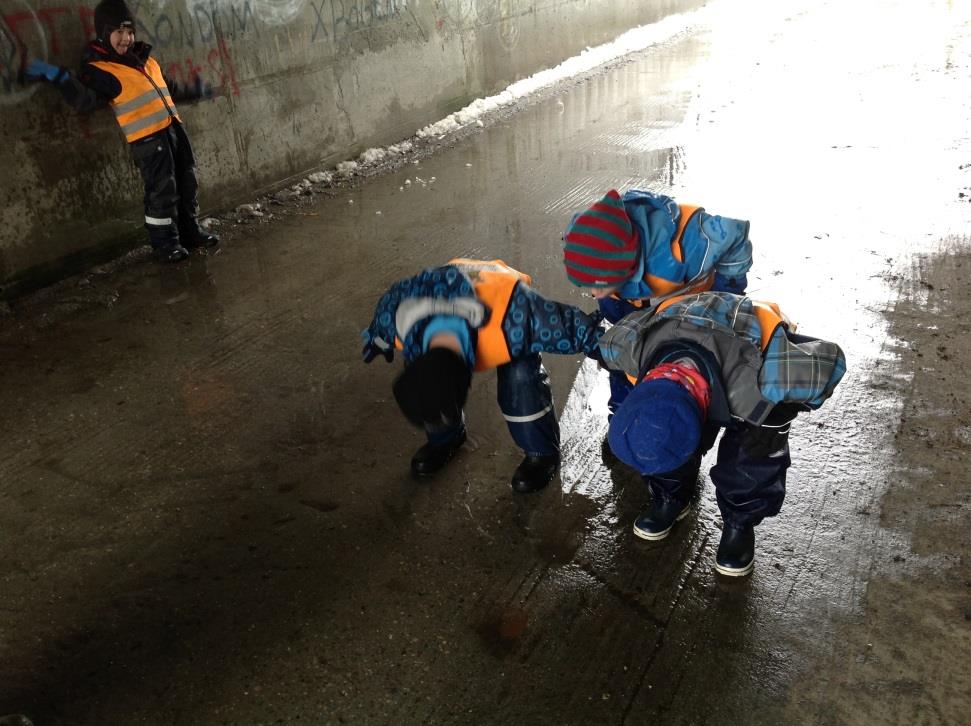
[748, 487]
[168, 169]
[526, 401]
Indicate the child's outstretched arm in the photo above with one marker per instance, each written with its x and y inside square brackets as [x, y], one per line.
[196, 89]
[729, 239]
[534, 324]
[91, 92]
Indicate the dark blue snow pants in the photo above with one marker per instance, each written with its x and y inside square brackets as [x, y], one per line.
[526, 401]
[748, 487]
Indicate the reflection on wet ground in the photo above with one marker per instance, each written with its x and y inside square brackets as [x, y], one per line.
[207, 516]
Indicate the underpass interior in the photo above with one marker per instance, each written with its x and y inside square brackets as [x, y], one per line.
[207, 513]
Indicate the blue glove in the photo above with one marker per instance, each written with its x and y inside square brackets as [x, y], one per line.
[38, 70]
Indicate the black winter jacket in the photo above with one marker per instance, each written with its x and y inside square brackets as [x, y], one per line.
[94, 88]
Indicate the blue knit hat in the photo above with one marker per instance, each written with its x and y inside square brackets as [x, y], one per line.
[657, 428]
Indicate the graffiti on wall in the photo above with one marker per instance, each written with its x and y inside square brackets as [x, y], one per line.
[268, 12]
[201, 23]
[334, 19]
[460, 15]
[194, 33]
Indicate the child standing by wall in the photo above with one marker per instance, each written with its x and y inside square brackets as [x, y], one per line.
[119, 72]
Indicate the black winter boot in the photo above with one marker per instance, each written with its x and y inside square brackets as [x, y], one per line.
[430, 457]
[736, 550]
[171, 253]
[534, 473]
[657, 521]
[200, 239]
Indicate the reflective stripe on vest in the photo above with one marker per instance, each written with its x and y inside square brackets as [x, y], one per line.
[144, 105]
[494, 281]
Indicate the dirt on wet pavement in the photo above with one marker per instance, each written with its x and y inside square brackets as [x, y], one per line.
[903, 658]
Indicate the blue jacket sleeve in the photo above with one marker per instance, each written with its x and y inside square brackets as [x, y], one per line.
[730, 246]
[381, 331]
[534, 324]
[92, 88]
[445, 282]
[734, 285]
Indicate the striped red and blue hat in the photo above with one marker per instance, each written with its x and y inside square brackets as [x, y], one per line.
[601, 245]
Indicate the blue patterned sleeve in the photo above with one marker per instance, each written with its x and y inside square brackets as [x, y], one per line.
[381, 330]
[441, 282]
[534, 324]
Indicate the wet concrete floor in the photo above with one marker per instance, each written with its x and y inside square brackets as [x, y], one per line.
[207, 516]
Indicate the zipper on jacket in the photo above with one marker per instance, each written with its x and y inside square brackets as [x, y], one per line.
[158, 90]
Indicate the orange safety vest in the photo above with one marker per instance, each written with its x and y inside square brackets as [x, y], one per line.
[144, 105]
[494, 281]
[661, 286]
[769, 315]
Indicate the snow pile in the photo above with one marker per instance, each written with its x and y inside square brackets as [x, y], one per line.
[633, 40]
[373, 156]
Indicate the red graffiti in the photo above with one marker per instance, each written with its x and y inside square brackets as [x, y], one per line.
[222, 70]
[192, 69]
[19, 23]
[87, 21]
[12, 20]
[173, 71]
[226, 69]
[46, 15]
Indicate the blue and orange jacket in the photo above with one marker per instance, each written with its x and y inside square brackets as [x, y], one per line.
[683, 250]
[486, 302]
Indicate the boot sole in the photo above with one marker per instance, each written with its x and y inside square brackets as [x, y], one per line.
[655, 536]
[522, 488]
[735, 571]
[421, 470]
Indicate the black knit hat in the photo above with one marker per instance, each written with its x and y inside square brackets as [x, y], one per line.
[110, 15]
[432, 389]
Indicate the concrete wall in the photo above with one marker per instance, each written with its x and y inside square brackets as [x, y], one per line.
[304, 84]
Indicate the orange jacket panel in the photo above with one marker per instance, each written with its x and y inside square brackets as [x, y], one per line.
[144, 105]
[494, 281]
